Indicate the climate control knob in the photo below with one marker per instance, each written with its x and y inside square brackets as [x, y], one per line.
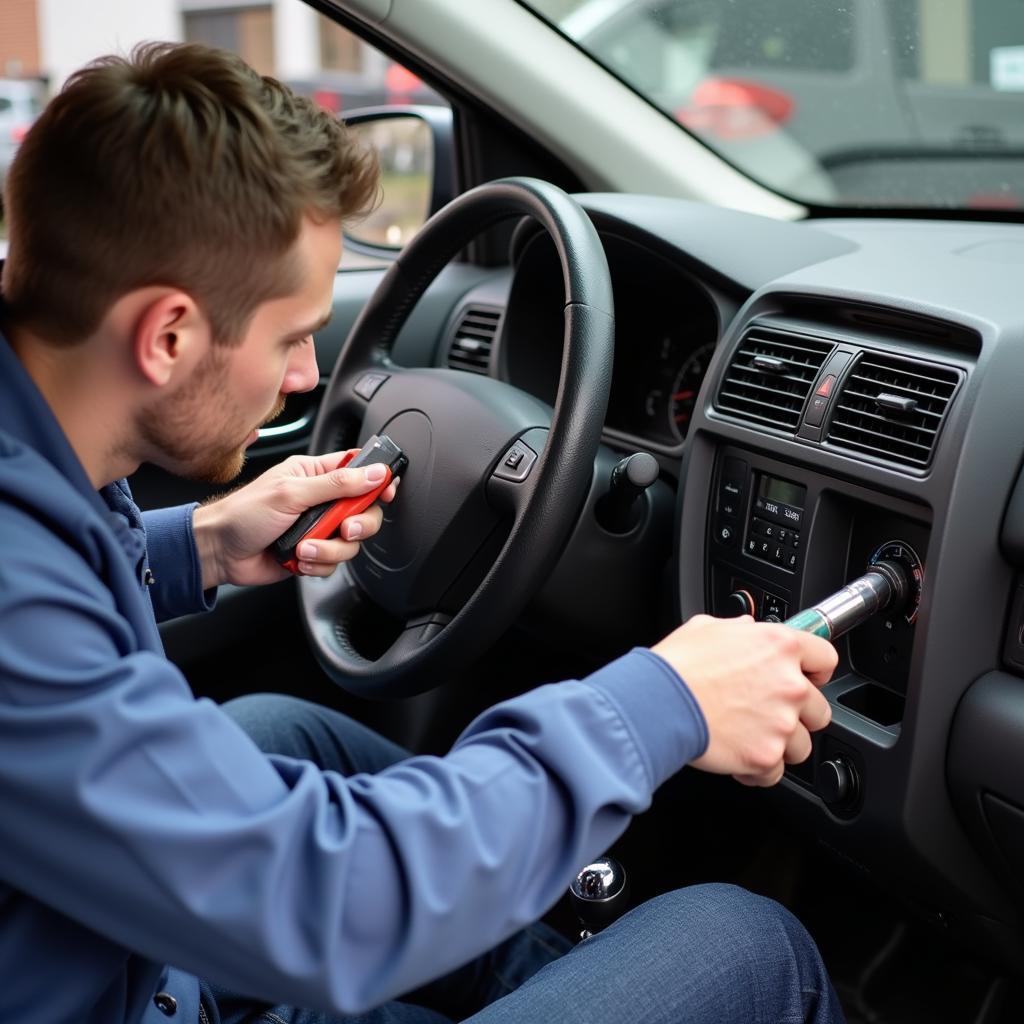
[836, 782]
[739, 602]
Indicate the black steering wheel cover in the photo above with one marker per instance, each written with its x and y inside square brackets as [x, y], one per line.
[559, 480]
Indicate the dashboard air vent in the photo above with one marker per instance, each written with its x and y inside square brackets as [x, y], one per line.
[473, 339]
[892, 408]
[771, 375]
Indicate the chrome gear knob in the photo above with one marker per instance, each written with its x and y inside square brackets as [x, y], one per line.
[600, 894]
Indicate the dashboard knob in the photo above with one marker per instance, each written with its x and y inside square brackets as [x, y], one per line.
[739, 602]
[836, 782]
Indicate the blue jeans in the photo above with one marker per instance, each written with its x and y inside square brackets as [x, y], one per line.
[707, 954]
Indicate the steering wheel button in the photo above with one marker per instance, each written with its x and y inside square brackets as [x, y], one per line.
[516, 463]
[367, 385]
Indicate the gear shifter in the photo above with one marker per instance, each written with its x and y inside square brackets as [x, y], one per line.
[600, 895]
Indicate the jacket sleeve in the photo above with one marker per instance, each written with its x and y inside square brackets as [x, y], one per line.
[148, 816]
[174, 561]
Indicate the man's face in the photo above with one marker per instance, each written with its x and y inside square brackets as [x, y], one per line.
[202, 429]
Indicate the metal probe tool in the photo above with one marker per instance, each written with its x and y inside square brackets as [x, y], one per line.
[884, 585]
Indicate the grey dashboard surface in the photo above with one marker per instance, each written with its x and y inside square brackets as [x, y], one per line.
[963, 269]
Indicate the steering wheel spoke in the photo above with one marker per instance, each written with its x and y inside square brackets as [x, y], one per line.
[352, 397]
[417, 634]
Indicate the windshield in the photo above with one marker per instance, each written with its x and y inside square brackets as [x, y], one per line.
[898, 103]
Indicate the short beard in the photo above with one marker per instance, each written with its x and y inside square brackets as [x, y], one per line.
[182, 428]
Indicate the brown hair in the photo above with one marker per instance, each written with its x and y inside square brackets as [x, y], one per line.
[180, 166]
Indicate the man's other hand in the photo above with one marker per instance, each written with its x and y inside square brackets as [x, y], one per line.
[757, 684]
[233, 532]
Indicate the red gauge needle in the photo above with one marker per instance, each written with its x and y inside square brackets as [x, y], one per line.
[681, 396]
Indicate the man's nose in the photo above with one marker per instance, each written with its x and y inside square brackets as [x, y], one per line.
[303, 373]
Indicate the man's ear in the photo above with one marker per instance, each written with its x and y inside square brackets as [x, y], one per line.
[169, 337]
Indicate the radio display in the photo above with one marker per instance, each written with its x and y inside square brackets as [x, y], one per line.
[782, 492]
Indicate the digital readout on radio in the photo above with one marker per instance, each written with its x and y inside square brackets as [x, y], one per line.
[781, 501]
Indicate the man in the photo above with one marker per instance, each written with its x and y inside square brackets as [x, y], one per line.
[174, 225]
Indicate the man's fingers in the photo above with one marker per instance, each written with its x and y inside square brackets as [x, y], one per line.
[816, 712]
[362, 526]
[818, 658]
[315, 465]
[327, 552]
[389, 495]
[767, 778]
[322, 557]
[306, 492]
[798, 746]
[316, 569]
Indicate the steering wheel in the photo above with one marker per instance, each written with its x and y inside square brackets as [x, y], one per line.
[495, 478]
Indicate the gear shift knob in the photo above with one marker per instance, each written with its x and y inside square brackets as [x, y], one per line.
[599, 894]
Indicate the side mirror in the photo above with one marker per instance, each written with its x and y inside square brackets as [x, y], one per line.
[416, 152]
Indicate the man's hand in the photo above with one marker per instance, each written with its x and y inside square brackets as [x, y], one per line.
[757, 684]
[233, 532]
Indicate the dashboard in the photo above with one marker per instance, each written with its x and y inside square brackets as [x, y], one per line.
[667, 326]
[816, 393]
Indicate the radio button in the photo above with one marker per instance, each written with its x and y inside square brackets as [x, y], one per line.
[725, 533]
[740, 602]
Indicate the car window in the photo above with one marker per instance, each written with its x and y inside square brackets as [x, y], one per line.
[766, 35]
[897, 103]
[284, 38]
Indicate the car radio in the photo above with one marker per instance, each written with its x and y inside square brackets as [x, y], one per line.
[756, 523]
[773, 526]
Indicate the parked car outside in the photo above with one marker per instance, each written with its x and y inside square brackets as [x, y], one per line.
[21, 102]
[866, 101]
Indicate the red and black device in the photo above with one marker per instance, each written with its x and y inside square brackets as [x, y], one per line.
[323, 520]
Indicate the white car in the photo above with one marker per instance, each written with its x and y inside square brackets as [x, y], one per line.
[21, 102]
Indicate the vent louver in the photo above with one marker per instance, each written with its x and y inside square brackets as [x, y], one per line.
[771, 375]
[473, 339]
[892, 408]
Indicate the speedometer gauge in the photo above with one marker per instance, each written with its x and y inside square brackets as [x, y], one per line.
[685, 388]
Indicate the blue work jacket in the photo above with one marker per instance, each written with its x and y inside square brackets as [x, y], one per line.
[142, 828]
